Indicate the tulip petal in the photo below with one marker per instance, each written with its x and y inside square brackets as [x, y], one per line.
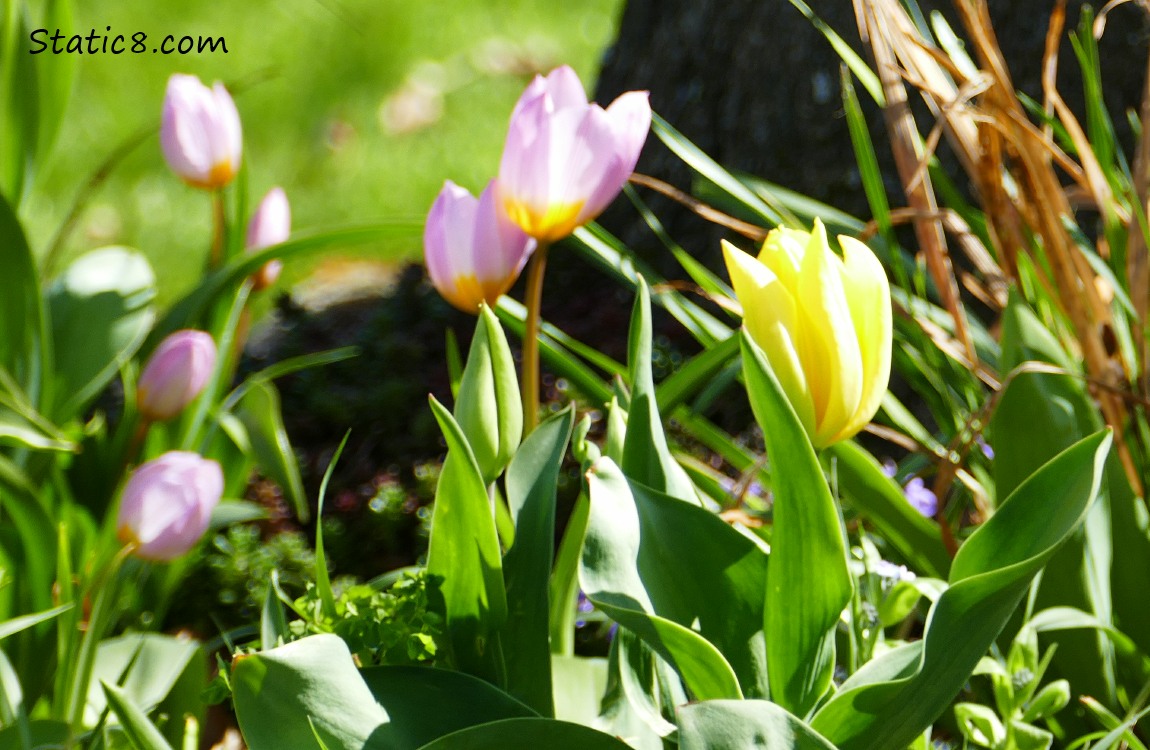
[827, 345]
[868, 297]
[772, 318]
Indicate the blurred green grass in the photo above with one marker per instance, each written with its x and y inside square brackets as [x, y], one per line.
[360, 110]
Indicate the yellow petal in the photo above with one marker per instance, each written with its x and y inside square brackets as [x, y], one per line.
[783, 252]
[771, 317]
[868, 297]
[828, 345]
[550, 225]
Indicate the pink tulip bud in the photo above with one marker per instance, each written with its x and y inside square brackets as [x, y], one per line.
[564, 159]
[269, 225]
[200, 132]
[167, 504]
[473, 252]
[175, 374]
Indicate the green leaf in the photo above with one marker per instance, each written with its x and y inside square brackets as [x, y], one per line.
[878, 499]
[532, 479]
[723, 725]
[16, 624]
[488, 407]
[425, 703]
[694, 158]
[282, 693]
[541, 733]
[579, 684]
[564, 584]
[809, 583]
[142, 734]
[464, 554]
[696, 373]
[657, 565]
[101, 311]
[144, 666]
[1039, 414]
[894, 697]
[646, 457]
[21, 308]
[273, 620]
[260, 412]
[224, 281]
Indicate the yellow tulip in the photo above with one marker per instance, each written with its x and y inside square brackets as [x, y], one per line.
[823, 322]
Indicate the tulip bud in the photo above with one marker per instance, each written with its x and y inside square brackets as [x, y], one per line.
[175, 374]
[167, 504]
[269, 225]
[473, 252]
[200, 132]
[488, 408]
[564, 159]
[824, 324]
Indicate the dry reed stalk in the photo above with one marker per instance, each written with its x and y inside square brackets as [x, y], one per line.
[1014, 167]
[906, 146]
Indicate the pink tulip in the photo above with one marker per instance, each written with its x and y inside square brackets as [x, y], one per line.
[269, 225]
[473, 252]
[175, 374]
[200, 132]
[167, 504]
[565, 160]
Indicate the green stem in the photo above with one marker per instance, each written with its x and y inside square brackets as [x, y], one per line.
[216, 258]
[533, 300]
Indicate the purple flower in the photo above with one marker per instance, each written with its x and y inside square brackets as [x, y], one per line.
[175, 374]
[200, 132]
[566, 159]
[583, 607]
[985, 447]
[889, 467]
[923, 500]
[167, 504]
[473, 252]
[269, 225]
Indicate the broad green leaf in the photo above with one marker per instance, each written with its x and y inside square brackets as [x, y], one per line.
[1039, 414]
[894, 697]
[809, 582]
[646, 457]
[657, 566]
[464, 554]
[425, 703]
[142, 734]
[144, 666]
[488, 407]
[579, 683]
[21, 308]
[282, 693]
[260, 412]
[525, 733]
[20, 97]
[746, 725]
[878, 499]
[532, 478]
[101, 312]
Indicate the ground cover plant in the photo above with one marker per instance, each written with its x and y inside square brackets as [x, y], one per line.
[962, 564]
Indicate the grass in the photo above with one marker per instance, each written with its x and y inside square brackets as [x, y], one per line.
[323, 119]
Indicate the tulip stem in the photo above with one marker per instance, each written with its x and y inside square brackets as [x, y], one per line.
[217, 256]
[533, 299]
